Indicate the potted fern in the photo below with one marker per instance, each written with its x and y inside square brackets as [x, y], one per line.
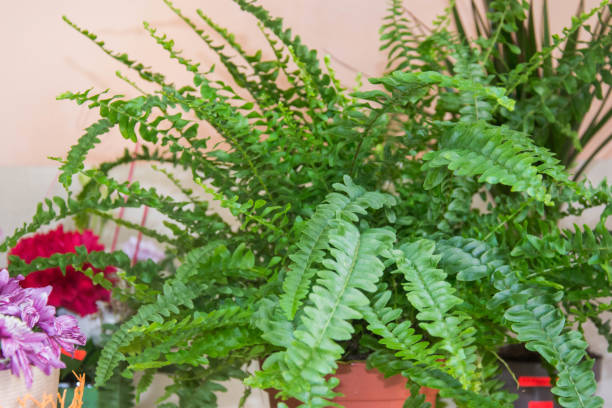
[354, 234]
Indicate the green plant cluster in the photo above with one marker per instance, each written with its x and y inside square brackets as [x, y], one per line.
[357, 235]
[555, 79]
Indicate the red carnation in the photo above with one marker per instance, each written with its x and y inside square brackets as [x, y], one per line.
[74, 291]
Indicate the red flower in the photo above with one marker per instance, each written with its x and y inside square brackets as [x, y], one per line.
[74, 291]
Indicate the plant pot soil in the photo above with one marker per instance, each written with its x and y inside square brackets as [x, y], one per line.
[12, 388]
[363, 388]
[534, 380]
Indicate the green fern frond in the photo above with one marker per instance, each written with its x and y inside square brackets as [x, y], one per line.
[81, 261]
[60, 208]
[475, 107]
[263, 87]
[449, 387]
[118, 391]
[399, 337]
[333, 302]
[469, 259]
[490, 152]
[416, 400]
[273, 218]
[408, 84]
[460, 194]
[78, 152]
[144, 383]
[523, 71]
[396, 36]
[302, 54]
[174, 294]
[434, 298]
[238, 76]
[123, 58]
[541, 326]
[274, 325]
[313, 240]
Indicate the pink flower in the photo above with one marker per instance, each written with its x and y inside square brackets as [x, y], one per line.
[18, 344]
[30, 334]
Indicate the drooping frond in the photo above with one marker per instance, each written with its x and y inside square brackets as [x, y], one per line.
[496, 155]
[83, 261]
[118, 391]
[448, 386]
[434, 298]
[333, 302]
[540, 325]
[355, 201]
[175, 294]
[398, 337]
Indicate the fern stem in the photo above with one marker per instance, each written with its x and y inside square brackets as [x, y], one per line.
[130, 82]
[365, 135]
[507, 219]
[130, 225]
[494, 40]
[505, 364]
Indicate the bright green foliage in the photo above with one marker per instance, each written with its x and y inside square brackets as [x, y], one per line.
[335, 299]
[314, 238]
[433, 298]
[554, 90]
[174, 294]
[354, 231]
[541, 327]
[416, 400]
[401, 337]
[494, 154]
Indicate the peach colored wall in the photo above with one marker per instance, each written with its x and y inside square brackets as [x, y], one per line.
[43, 57]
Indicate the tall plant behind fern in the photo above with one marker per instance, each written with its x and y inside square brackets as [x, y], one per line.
[356, 238]
[556, 78]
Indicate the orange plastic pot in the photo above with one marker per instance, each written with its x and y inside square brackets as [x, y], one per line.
[363, 388]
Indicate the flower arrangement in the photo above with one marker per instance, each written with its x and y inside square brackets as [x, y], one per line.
[72, 289]
[30, 332]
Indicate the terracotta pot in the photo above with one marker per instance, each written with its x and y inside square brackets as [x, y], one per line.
[13, 388]
[363, 388]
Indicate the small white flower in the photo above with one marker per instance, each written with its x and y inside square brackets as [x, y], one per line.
[146, 250]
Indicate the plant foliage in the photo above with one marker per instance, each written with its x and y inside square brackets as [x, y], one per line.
[354, 232]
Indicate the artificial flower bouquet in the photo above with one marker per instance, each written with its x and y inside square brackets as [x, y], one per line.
[31, 335]
[71, 289]
[71, 292]
[74, 293]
